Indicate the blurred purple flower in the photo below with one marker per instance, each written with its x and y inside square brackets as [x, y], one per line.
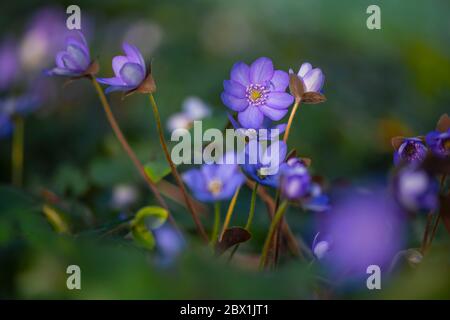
[410, 150]
[169, 243]
[264, 168]
[365, 229]
[295, 180]
[123, 196]
[312, 79]
[75, 60]
[214, 182]
[256, 92]
[9, 63]
[6, 125]
[130, 70]
[439, 143]
[416, 190]
[194, 109]
[321, 246]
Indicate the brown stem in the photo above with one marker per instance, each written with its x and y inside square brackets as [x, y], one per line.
[425, 234]
[126, 146]
[175, 173]
[438, 219]
[291, 118]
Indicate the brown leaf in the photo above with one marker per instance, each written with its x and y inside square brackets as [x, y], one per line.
[443, 123]
[296, 86]
[231, 237]
[313, 98]
[445, 211]
[397, 142]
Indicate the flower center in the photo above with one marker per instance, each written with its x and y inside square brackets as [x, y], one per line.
[215, 186]
[256, 94]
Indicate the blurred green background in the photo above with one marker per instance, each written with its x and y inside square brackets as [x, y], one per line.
[379, 83]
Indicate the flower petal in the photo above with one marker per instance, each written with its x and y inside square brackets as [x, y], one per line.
[280, 80]
[240, 73]
[117, 64]
[273, 114]
[117, 88]
[235, 104]
[261, 70]
[132, 74]
[115, 81]
[79, 55]
[251, 117]
[304, 69]
[314, 80]
[61, 72]
[279, 100]
[234, 88]
[134, 55]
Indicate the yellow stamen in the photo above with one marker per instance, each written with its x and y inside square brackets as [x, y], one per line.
[215, 186]
[255, 95]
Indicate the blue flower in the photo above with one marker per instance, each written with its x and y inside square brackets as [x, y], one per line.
[214, 182]
[439, 143]
[295, 180]
[410, 150]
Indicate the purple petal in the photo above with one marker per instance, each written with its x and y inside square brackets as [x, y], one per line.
[279, 100]
[115, 81]
[117, 64]
[59, 61]
[70, 63]
[134, 55]
[79, 55]
[234, 88]
[261, 70]
[81, 43]
[118, 88]
[251, 117]
[314, 80]
[233, 121]
[61, 72]
[304, 69]
[273, 114]
[241, 73]
[132, 74]
[280, 80]
[235, 104]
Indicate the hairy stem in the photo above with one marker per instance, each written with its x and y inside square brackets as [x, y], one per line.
[229, 213]
[17, 151]
[291, 119]
[174, 170]
[276, 219]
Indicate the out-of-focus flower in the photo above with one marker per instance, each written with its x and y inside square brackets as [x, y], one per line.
[9, 63]
[265, 170]
[6, 125]
[409, 150]
[439, 143]
[75, 61]
[123, 196]
[169, 243]
[46, 33]
[194, 109]
[273, 131]
[321, 246]
[307, 84]
[130, 71]
[365, 230]
[214, 182]
[415, 189]
[256, 92]
[146, 35]
[295, 180]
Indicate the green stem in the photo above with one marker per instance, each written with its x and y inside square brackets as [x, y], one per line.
[251, 214]
[275, 221]
[174, 170]
[215, 230]
[229, 213]
[17, 151]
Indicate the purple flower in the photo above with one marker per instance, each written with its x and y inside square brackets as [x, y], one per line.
[75, 61]
[410, 150]
[439, 143]
[130, 70]
[295, 180]
[256, 92]
[312, 79]
[214, 182]
[416, 190]
[193, 109]
[9, 63]
[321, 246]
[365, 230]
[169, 244]
[273, 131]
[262, 165]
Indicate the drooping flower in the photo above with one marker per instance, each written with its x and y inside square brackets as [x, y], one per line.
[439, 143]
[256, 92]
[75, 60]
[130, 72]
[263, 165]
[416, 190]
[9, 63]
[193, 109]
[214, 182]
[409, 150]
[307, 84]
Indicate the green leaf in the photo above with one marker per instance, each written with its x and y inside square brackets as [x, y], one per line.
[157, 170]
[147, 219]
